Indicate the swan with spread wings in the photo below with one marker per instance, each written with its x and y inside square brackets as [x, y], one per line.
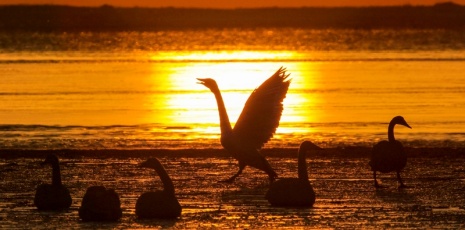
[256, 124]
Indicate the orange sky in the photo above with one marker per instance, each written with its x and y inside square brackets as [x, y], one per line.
[228, 4]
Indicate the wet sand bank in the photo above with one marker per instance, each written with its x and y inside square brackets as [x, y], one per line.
[343, 185]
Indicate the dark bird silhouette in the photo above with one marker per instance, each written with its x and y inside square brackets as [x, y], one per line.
[256, 124]
[160, 204]
[294, 191]
[100, 204]
[389, 156]
[53, 196]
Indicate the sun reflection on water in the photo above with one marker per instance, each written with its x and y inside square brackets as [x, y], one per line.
[192, 103]
[217, 56]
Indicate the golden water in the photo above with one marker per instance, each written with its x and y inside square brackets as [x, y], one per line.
[122, 97]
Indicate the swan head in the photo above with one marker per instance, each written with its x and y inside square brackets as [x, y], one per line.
[50, 159]
[150, 163]
[399, 120]
[308, 145]
[208, 82]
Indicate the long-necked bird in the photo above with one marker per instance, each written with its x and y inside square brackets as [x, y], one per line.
[53, 196]
[256, 124]
[100, 204]
[389, 156]
[294, 191]
[161, 204]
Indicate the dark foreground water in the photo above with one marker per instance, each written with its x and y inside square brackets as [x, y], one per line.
[346, 197]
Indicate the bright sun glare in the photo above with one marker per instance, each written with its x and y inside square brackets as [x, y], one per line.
[237, 74]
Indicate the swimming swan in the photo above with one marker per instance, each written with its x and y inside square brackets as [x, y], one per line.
[53, 196]
[388, 156]
[162, 203]
[256, 124]
[100, 204]
[294, 191]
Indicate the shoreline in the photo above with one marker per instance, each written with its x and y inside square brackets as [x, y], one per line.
[340, 152]
[346, 197]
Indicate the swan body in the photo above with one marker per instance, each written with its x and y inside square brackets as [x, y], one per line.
[53, 196]
[389, 156]
[297, 192]
[100, 204]
[256, 124]
[160, 204]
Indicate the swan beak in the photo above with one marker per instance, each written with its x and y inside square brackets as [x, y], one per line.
[201, 81]
[406, 125]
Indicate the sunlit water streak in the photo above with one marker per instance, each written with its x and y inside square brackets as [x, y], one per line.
[118, 96]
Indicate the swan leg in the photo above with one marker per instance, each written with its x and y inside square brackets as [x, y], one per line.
[272, 177]
[402, 185]
[231, 179]
[269, 170]
[376, 181]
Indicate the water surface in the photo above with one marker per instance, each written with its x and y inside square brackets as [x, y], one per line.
[138, 90]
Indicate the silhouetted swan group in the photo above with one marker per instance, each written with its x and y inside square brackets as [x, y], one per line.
[102, 204]
[258, 122]
[255, 126]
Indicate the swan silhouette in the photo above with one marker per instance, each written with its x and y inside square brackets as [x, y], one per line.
[100, 204]
[294, 191]
[53, 196]
[162, 203]
[256, 124]
[389, 156]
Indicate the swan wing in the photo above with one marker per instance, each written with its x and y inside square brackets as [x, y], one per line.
[262, 111]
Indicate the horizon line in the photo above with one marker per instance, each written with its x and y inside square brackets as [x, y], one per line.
[439, 4]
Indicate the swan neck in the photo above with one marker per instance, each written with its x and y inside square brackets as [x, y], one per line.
[165, 178]
[224, 119]
[391, 132]
[56, 175]
[302, 164]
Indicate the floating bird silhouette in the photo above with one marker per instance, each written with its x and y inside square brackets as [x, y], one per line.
[294, 191]
[160, 204]
[53, 196]
[389, 156]
[100, 204]
[256, 124]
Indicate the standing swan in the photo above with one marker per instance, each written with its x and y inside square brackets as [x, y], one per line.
[162, 203]
[256, 124]
[294, 191]
[388, 156]
[100, 204]
[53, 196]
